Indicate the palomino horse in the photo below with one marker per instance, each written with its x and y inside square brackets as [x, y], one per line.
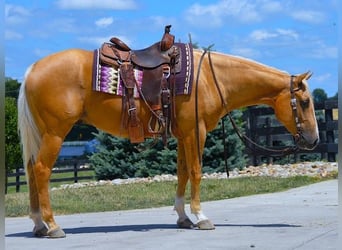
[57, 93]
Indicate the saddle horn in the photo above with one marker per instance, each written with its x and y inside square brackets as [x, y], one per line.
[167, 40]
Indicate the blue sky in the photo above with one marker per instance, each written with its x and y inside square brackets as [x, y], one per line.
[295, 36]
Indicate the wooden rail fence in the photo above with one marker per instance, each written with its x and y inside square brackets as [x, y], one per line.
[263, 128]
[65, 166]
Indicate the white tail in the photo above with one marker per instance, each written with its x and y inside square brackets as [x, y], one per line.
[29, 134]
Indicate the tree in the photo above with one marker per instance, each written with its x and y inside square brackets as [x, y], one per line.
[12, 87]
[319, 95]
[335, 97]
[12, 144]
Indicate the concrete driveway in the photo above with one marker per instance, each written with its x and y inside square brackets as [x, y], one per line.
[301, 218]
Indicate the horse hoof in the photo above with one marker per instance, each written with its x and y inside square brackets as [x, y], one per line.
[205, 225]
[187, 223]
[42, 232]
[56, 233]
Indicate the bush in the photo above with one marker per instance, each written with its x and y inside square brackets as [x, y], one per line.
[118, 158]
[213, 156]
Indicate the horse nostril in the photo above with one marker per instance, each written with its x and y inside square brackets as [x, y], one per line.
[316, 142]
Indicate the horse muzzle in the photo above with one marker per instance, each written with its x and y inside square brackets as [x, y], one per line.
[306, 142]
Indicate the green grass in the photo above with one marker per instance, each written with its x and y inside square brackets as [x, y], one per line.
[147, 195]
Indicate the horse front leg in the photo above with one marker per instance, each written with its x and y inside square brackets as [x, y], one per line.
[183, 177]
[194, 170]
[42, 172]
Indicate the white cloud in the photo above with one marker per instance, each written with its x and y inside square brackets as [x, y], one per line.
[245, 11]
[288, 33]
[261, 35]
[213, 15]
[41, 52]
[104, 22]
[12, 35]
[97, 41]
[245, 52]
[271, 7]
[63, 25]
[15, 14]
[91, 4]
[159, 21]
[308, 16]
[323, 77]
[324, 52]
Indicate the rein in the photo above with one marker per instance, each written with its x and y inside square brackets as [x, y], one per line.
[253, 146]
[269, 151]
[261, 149]
[196, 110]
[196, 106]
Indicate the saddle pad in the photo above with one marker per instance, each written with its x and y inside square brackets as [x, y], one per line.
[106, 78]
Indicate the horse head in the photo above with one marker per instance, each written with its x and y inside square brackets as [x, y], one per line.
[294, 107]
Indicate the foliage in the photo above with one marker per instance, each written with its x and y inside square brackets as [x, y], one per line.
[213, 156]
[335, 97]
[111, 151]
[319, 95]
[81, 132]
[12, 145]
[118, 158]
[12, 87]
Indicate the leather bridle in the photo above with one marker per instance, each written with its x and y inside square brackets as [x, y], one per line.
[298, 135]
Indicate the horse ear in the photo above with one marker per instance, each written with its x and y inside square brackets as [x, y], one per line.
[304, 76]
[308, 75]
[302, 80]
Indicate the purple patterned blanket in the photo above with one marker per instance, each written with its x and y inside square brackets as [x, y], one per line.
[107, 79]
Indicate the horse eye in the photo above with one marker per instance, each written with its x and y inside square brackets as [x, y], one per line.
[305, 103]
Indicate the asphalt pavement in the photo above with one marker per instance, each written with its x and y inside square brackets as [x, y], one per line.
[300, 218]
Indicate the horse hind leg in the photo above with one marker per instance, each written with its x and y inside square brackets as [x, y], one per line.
[41, 172]
[40, 229]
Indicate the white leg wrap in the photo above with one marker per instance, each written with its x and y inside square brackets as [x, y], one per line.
[200, 216]
[179, 207]
[37, 219]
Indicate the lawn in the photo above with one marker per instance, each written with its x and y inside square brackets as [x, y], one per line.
[155, 194]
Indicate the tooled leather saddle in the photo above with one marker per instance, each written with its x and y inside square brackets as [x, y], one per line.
[159, 63]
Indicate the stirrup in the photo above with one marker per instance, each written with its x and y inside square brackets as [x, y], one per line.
[159, 127]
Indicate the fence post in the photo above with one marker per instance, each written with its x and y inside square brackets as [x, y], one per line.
[75, 172]
[252, 133]
[17, 180]
[269, 141]
[6, 180]
[329, 133]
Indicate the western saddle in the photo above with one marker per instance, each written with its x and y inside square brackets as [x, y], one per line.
[159, 64]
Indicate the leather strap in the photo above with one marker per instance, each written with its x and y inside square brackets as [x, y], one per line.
[127, 76]
[196, 108]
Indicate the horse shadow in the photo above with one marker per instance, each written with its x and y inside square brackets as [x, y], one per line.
[146, 228]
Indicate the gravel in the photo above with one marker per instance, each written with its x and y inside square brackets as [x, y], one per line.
[314, 169]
